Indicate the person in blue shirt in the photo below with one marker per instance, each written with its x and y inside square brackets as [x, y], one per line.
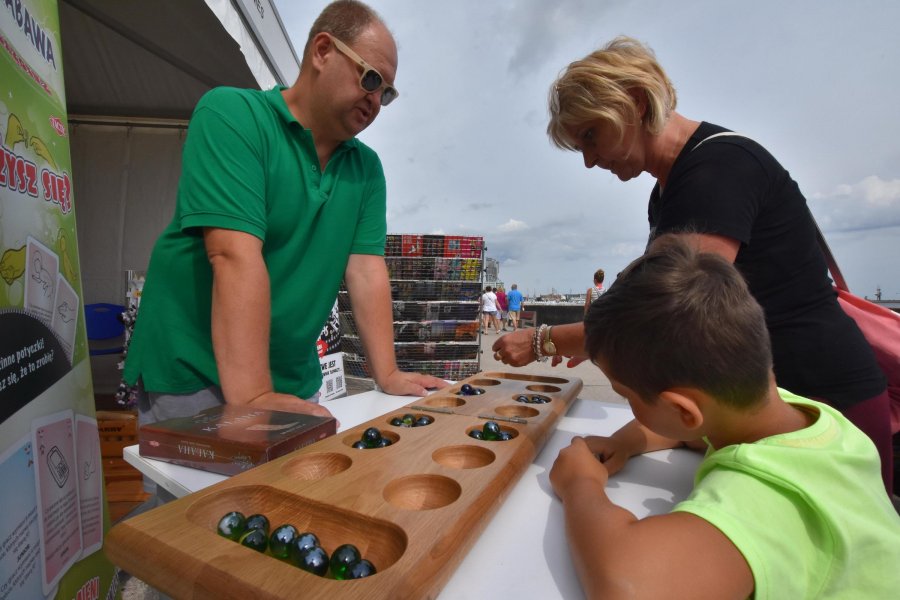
[514, 306]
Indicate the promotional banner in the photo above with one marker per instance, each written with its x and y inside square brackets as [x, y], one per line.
[54, 512]
[331, 359]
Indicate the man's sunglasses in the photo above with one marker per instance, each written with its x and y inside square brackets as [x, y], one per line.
[371, 80]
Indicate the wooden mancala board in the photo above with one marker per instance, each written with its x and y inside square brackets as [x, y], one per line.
[413, 508]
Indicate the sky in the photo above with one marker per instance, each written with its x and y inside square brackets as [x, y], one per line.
[465, 149]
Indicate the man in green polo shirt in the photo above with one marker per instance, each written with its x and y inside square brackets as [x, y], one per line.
[277, 202]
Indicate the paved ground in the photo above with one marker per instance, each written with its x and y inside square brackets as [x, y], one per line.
[596, 385]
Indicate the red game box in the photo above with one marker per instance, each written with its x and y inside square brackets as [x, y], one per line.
[231, 439]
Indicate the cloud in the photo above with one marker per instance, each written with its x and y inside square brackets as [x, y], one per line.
[871, 203]
[513, 225]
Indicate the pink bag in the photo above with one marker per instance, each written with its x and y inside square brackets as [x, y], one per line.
[881, 327]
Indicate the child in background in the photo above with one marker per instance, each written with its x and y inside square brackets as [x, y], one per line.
[594, 292]
[788, 502]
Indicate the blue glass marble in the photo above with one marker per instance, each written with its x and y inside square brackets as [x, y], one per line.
[260, 522]
[361, 568]
[314, 560]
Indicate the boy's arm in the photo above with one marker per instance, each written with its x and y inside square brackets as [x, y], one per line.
[678, 555]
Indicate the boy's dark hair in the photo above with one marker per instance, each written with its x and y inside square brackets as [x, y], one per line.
[344, 19]
[677, 317]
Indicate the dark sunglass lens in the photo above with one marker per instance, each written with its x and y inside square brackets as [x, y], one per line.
[388, 95]
[370, 81]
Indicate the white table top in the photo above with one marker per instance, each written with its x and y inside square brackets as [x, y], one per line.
[522, 553]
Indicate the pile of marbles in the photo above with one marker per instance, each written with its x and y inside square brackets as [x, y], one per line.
[286, 542]
[491, 432]
[535, 399]
[411, 420]
[467, 390]
[372, 438]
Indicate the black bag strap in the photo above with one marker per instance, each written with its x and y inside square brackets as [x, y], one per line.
[833, 268]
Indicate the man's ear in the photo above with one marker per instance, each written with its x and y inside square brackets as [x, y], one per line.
[320, 46]
[686, 403]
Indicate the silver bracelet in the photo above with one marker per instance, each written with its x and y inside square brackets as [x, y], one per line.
[536, 343]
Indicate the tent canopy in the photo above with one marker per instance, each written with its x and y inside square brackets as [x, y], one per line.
[134, 58]
[134, 70]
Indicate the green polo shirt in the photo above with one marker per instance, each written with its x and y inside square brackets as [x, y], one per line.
[248, 165]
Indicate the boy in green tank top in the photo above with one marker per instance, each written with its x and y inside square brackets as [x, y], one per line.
[788, 502]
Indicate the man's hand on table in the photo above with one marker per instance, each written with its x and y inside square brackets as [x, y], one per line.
[288, 403]
[401, 383]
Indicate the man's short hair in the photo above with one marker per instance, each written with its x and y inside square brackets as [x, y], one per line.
[677, 317]
[344, 19]
[515, 287]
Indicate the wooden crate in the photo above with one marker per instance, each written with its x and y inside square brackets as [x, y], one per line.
[413, 508]
[118, 429]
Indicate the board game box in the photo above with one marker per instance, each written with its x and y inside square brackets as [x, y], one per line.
[231, 439]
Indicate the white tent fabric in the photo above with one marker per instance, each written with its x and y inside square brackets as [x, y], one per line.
[134, 71]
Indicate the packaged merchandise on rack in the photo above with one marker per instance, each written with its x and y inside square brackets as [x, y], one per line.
[436, 285]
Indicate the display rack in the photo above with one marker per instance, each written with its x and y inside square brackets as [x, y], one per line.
[436, 284]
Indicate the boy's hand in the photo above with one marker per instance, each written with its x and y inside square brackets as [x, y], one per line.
[575, 465]
[611, 452]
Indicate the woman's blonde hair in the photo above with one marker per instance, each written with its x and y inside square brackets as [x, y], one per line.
[604, 85]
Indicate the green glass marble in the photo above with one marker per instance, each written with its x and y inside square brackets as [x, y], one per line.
[281, 540]
[314, 560]
[232, 525]
[260, 522]
[491, 431]
[408, 420]
[359, 569]
[342, 557]
[255, 539]
[371, 436]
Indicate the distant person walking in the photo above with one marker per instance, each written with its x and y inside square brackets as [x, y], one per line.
[594, 292]
[489, 310]
[502, 306]
[514, 303]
